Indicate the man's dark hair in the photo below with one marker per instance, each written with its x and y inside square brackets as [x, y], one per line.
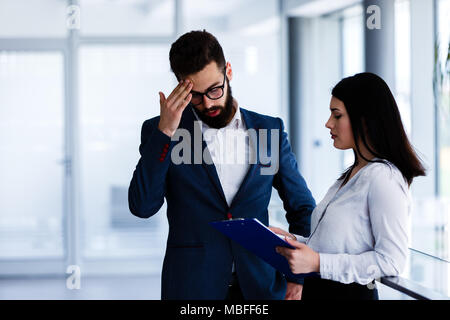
[193, 51]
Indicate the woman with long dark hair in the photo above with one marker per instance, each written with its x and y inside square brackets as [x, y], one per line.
[360, 228]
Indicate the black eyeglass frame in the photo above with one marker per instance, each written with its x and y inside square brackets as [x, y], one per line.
[210, 89]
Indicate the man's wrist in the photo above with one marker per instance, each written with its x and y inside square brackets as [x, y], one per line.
[166, 132]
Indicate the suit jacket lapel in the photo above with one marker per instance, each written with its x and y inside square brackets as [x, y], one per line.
[250, 123]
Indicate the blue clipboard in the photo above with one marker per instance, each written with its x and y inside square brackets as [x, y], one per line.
[260, 240]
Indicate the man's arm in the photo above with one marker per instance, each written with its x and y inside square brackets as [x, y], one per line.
[293, 191]
[148, 185]
[147, 188]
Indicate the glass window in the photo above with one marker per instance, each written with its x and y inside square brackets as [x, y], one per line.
[255, 59]
[33, 18]
[430, 221]
[212, 15]
[352, 54]
[352, 41]
[442, 90]
[32, 149]
[431, 215]
[127, 17]
[252, 46]
[403, 62]
[442, 71]
[118, 91]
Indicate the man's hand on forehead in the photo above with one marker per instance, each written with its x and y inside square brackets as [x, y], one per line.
[172, 107]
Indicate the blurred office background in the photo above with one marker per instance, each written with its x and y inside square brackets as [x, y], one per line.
[78, 79]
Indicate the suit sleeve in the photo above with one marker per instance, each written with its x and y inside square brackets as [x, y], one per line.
[148, 185]
[293, 191]
[297, 198]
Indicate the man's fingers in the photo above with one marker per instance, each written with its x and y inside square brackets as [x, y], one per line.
[182, 90]
[175, 91]
[185, 103]
[162, 98]
[178, 100]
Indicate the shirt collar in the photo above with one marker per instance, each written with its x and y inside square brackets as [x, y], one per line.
[236, 121]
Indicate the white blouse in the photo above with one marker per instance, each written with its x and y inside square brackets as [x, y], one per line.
[363, 232]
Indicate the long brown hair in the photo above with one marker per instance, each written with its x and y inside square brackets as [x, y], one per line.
[374, 117]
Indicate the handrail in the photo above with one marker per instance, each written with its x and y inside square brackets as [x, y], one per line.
[412, 289]
[412, 286]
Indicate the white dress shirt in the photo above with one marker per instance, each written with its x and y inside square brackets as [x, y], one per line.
[363, 232]
[229, 149]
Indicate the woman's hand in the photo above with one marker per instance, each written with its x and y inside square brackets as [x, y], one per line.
[302, 259]
[282, 232]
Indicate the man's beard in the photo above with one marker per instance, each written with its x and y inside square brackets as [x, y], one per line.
[222, 119]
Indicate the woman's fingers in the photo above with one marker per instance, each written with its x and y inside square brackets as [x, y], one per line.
[277, 230]
[282, 232]
[285, 252]
[294, 243]
[288, 254]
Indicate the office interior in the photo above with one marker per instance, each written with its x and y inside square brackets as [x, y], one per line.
[78, 79]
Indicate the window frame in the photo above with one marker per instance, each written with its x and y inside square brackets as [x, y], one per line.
[69, 47]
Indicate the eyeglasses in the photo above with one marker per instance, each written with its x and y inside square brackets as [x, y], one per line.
[212, 93]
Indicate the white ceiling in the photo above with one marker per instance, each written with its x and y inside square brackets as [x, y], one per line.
[314, 8]
[210, 8]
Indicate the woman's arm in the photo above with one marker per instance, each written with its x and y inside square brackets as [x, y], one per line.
[388, 212]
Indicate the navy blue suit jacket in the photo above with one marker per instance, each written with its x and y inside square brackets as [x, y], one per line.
[198, 259]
